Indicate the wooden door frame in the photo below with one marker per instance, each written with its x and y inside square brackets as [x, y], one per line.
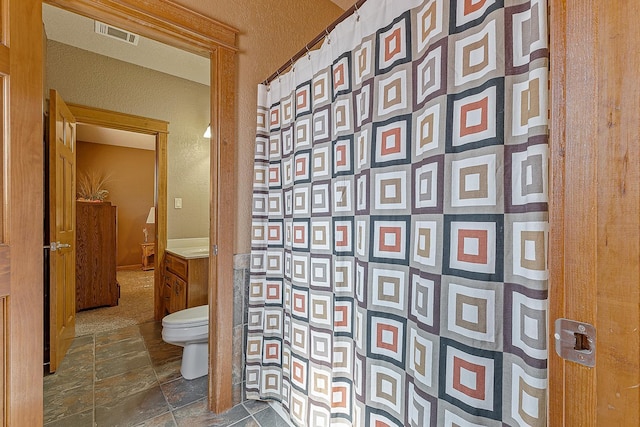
[170, 23]
[160, 130]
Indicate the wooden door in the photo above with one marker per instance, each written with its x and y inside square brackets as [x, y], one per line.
[62, 220]
[595, 209]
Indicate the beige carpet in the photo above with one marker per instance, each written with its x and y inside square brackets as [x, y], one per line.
[135, 305]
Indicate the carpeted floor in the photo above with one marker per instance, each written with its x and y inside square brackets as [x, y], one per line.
[135, 305]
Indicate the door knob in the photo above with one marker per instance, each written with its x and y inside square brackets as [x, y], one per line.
[57, 245]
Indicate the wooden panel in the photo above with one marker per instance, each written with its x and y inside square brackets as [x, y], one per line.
[579, 233]
[198, 286]
[23, 224]
[96, 283]
[618, 213]
[595, 225]
[178, 293]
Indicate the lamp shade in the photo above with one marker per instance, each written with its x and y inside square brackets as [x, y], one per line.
[151, 218]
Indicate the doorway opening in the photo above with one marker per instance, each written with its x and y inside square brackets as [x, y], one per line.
[216, 41]
[127, 161]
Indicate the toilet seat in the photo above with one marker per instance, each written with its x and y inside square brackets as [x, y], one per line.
[188, 318]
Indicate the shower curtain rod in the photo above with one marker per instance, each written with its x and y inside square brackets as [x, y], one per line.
[305, 50]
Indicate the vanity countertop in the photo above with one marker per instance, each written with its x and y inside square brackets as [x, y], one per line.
[190, 252]
[189, 248]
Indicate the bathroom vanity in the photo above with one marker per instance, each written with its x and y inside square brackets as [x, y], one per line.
[186, 277]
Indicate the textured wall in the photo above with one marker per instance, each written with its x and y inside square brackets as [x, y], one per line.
[131, 180]
[271, 31]
[82, 77]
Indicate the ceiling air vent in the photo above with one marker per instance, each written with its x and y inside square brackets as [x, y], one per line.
[116, 33]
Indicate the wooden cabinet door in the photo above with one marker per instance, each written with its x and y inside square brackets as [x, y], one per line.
[178, 299]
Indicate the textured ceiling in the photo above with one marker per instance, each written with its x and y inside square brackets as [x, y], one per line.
[78, 31]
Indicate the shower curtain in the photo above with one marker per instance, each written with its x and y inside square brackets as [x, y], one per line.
[400, 228]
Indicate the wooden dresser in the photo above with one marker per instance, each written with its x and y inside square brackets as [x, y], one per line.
[96, 283]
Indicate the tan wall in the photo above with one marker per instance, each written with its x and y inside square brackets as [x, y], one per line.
[271, 31]
[131, 189]
[83, 77]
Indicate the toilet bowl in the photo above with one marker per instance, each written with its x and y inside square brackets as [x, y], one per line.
[189, 329]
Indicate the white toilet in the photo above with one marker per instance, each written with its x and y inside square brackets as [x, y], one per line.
[190, 329]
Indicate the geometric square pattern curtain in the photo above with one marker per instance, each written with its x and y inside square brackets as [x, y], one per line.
[400, 228]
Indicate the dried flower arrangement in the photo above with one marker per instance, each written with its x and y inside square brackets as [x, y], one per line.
[90, 187]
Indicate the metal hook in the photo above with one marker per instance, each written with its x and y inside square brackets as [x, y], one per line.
[293, 68]
[326, 31]
[357, 13]
[308, 53]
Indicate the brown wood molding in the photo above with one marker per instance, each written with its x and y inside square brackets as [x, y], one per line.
[116, 120]
[223, 215]
[557, 139]
[161, 218]
[161, 20]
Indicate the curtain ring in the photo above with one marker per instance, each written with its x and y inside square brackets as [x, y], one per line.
[326, 31]
[357, 13]
[308, 53]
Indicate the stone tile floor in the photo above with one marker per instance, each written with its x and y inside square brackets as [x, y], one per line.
[130, 377]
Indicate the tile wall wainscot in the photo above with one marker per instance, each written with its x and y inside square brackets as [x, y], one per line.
[240, 320]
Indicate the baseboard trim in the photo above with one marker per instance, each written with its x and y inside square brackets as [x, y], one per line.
[129, 267]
